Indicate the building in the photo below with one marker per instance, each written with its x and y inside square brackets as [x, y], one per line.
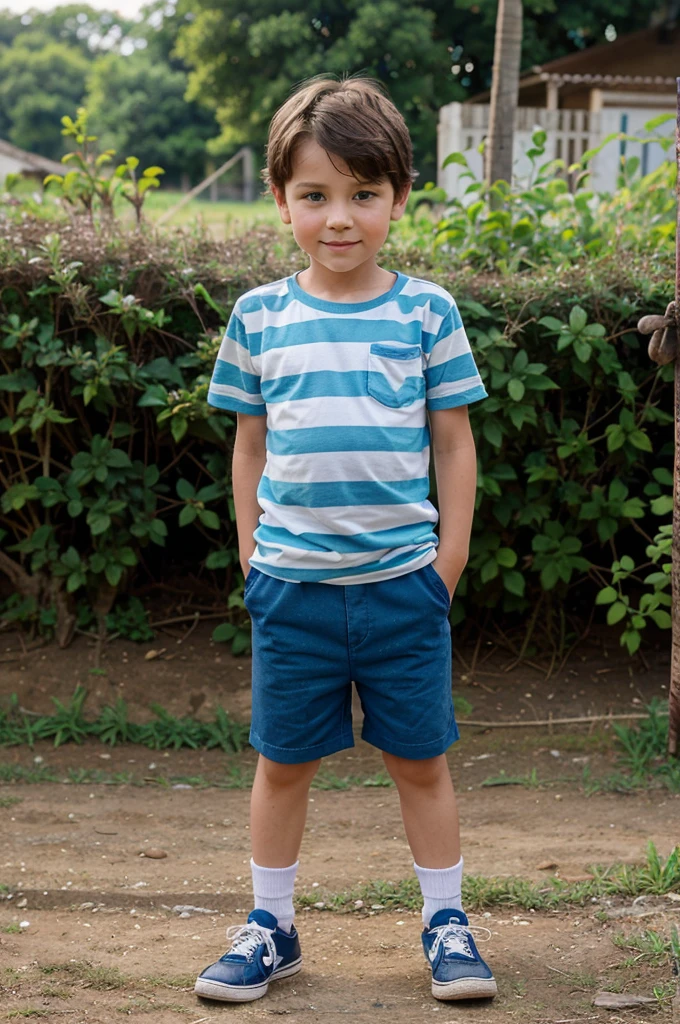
[579, 100]
[17, 161]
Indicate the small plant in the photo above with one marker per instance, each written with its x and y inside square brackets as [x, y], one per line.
[86, 182]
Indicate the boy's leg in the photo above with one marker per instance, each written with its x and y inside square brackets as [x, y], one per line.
[428, 806]
[267, 946]
[278, 810]
[430, 814]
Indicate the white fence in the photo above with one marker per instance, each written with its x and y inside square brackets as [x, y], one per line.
[463, 127]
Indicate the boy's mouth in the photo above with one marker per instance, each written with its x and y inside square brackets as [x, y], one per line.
[340, 245]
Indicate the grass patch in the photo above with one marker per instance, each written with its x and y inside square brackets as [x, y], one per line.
[9, 801]
[647, 947]
[12, 929]
[643, 749]
[655, 877]
[102, 979]
[112, 726]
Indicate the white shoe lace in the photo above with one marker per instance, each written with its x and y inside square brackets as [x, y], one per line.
[456, 939]
[246, 938]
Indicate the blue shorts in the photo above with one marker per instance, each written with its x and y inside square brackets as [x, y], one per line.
[392, 638]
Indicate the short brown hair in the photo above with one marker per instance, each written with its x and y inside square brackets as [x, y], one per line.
[350, 118]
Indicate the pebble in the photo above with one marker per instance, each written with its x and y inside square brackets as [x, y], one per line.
[153, 853]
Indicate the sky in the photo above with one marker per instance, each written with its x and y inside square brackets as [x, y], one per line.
[127, 8]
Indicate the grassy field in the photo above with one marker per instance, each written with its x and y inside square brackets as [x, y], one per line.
[222, 219]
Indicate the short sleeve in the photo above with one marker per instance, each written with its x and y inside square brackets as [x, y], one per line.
[451, 374]
[235, 384]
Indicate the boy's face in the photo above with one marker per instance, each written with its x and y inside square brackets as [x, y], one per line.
[338, 221]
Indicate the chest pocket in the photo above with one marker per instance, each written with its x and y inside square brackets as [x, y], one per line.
[395, 375]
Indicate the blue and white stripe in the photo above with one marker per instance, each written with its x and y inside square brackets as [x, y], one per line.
[345, 388]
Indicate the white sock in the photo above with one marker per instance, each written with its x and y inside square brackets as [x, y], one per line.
[440, 888]
[273, 891]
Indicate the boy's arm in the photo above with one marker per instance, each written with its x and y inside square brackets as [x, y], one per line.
[250, 454]
[455, 461]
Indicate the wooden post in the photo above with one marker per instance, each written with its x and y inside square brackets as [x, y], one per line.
[504, 90]
[199, 188]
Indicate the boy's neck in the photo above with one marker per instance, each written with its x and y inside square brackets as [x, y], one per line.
[361, 284]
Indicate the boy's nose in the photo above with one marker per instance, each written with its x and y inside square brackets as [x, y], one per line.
[338, 217]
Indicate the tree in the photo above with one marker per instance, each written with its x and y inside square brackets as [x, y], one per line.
[136, 105]
[40, 80]
[504, 90]
[246, 60]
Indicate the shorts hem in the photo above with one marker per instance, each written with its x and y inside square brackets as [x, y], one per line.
[414, 751]
[299, 755]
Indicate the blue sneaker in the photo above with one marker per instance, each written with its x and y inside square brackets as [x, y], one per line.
[260, 952]
[458, 971]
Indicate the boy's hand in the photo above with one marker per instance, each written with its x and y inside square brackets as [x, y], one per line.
[450, 571]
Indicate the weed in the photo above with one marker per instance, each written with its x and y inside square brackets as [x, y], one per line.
[51, 991]
[12, 929]
[615, 782]
[649, 946]
[9, 801]
[664, 993]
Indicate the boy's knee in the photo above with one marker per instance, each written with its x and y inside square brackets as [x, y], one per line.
[424, 773]
[284, 775]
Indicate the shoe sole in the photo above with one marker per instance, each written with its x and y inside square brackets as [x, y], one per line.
[466, 988]
[242, 993]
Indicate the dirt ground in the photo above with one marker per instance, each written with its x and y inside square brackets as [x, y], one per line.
[88, 931]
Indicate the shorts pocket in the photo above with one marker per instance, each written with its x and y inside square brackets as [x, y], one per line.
[253, 573]
[395, 374]
[438, 583]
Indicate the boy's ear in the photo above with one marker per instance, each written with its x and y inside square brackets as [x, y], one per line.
[280, 197]
[399, 204]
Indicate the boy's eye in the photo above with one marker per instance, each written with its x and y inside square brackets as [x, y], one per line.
[362, 195]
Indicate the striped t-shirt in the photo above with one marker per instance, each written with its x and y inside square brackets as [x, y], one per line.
[345, 388]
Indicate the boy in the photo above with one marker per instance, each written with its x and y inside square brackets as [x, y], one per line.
[332, 373]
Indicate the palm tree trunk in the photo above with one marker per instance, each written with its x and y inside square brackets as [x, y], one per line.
[504, 89]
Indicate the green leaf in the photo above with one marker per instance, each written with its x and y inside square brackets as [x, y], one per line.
[578, 318]
[616, 612]
[514, 582]
[99, 522]
[224, 632]
[209, 519]
[516, 389]
[178, 428]
[187, 515]
[185, 490]
[606, 596]
[662, 619]
[455, 158]
[552, 323]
